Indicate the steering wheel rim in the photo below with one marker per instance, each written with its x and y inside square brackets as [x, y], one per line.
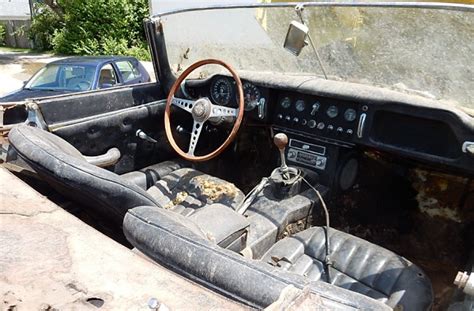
[188, 105]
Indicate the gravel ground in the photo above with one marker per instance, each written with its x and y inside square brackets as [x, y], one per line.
[16, 67]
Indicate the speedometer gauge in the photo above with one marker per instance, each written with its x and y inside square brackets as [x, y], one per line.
[252, 96]
[221, 91]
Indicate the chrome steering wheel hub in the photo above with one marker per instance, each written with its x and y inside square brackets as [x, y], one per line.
[201, 110]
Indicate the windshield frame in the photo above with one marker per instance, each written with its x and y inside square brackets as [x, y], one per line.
[413, 5]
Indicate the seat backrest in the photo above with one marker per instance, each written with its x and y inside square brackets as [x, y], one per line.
[65, 169]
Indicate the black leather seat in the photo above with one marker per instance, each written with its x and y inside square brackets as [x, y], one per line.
[356, 264]
[66, 170]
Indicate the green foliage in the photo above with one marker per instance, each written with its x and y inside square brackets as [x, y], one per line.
[141, 52]
[43, 26]
[3, 33]
[93, 27]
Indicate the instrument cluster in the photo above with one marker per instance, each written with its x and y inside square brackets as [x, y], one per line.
[223, 92]
[318, 116]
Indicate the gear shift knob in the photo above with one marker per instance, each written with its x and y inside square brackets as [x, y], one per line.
[280, 140]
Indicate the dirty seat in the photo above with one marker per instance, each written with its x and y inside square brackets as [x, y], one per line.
[359, 268]
[65, 169]
[187, 189]
[356, 265]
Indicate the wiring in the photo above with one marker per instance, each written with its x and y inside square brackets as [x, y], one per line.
[327, 260]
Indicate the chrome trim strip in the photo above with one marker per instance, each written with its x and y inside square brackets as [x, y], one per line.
[360, 126]
[55, 126]
[408, 5]
[467, 144]
[306, 143]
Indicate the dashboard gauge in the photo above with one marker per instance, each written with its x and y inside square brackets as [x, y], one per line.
[332, 111]
[350, 115]
[286, 102]
[252, 96]
[300, 105]
[221, 91]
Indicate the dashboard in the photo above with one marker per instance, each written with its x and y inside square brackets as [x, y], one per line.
[326, 120]
[318, 116]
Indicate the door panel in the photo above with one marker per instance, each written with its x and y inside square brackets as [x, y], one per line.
[94, 122]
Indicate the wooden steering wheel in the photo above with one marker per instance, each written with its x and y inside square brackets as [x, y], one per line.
[204, 110]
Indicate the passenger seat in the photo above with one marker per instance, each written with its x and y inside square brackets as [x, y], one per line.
[356, 265]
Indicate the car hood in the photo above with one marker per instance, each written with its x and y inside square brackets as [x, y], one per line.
[24, 94]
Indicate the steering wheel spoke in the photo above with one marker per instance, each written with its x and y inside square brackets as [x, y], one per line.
[197, 128]
[222, 111]
[184, 104]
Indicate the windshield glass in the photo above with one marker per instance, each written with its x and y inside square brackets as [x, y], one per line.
[58, 77]
[424, 51]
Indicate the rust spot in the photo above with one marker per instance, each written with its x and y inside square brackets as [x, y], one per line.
[440, 195]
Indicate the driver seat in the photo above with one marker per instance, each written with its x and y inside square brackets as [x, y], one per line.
[179, 189]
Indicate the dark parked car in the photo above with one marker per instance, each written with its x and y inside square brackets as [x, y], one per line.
[78, 74]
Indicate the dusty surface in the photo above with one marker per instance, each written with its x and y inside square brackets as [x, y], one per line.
[16, 67]
[416, 214]
[51, 260]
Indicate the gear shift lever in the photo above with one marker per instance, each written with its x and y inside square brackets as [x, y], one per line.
[281, 140]
[286, 181]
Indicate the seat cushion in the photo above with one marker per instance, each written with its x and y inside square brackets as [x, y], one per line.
[180, 244]
[357, 265]
[187, 189]
[148, 176]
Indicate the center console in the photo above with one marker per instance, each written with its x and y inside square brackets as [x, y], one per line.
[321, 134]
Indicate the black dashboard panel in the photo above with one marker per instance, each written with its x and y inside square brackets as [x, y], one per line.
[332, 114]
[326, 118]
[411, 133]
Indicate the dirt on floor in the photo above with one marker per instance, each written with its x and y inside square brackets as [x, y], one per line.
[384, 208]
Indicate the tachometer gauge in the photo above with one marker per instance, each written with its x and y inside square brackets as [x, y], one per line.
[286, 102]
[332, 111]
[252, 96]
[221, 91]
[350, 115]
[300, 105]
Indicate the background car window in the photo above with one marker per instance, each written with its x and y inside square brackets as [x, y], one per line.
[45, 78]
[128, 71]
[78, 78]
[107, 77]
[63, 77]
